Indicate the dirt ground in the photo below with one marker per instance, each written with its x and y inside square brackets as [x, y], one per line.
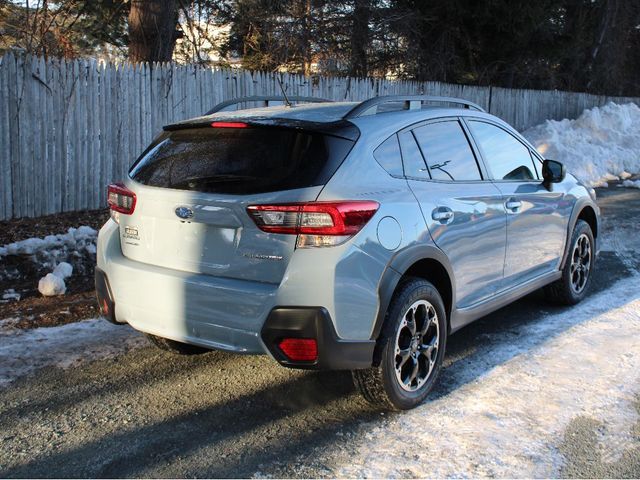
[23, 228]
[34, 310]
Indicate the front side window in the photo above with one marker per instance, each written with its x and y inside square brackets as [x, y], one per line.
[447, 151]
[506, 157]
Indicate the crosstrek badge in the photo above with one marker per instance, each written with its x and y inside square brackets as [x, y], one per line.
[131, 233]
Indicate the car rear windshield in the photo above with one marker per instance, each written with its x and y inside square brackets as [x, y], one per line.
[240, 160]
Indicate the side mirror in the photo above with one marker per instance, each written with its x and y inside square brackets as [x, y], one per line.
[553, 172]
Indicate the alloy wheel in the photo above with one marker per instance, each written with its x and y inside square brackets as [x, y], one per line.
[580, 263]
[416, 345]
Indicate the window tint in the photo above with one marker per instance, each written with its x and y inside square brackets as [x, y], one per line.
[447, 152]
[507, 158]
[414, 165]
[388, 156]
[240, 160]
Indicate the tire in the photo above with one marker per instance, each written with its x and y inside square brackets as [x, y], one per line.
[578, 270]
[390, 388]
[176, 347]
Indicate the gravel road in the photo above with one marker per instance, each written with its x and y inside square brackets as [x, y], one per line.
[147, 413]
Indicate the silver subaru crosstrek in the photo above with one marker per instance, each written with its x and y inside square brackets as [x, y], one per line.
[340, 235]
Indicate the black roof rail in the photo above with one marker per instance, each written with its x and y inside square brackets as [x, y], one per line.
[265, 99]
[364, 108]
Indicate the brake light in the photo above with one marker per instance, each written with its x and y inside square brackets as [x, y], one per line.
[121, 200]
[299, 349]
[317, 224]
[229, 125]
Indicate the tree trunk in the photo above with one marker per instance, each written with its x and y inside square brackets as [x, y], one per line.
[152, 30]
[307, 54]
[360, 38]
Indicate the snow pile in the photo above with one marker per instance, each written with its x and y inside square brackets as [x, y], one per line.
[77, 239]
[631, 183]
[53, 283]
[601, 145]
[63, 270]
[74, 250]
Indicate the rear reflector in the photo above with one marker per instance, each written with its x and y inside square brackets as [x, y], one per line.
[121, 199]
[314, 218]
[299, 349]
[229, 125]
[104, 308]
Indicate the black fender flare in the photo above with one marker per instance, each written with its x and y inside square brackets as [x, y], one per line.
[575, 213]
[397, 267]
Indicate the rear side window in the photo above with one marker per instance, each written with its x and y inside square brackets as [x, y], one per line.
[414, 165]
[388, 156]
[506, 157]
[447, 151]
[240, 160]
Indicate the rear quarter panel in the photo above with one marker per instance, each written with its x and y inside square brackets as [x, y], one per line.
[352, 273]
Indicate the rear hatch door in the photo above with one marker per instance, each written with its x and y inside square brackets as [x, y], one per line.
[194, 184]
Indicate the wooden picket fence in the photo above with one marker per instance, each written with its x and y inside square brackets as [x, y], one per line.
[68, 128]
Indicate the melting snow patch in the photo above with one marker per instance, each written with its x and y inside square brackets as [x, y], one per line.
[503, 413]
[24, 351]
[75, 239]
[74, 250]
[9, 295]
[601, 145]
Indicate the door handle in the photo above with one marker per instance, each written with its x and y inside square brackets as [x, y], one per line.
[442, 214]
[513, 205]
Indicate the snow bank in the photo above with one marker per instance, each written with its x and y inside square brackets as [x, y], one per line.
[601, 145]
[24, 351]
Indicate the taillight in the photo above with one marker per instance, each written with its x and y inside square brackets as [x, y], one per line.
[299, 349]
[317, 224]
[121, 200]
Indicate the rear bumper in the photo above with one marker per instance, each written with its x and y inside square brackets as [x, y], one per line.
[314, 323]
[212, 312]
[225, 314]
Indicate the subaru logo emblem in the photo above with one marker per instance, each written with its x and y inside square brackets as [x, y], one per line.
[184, 212]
